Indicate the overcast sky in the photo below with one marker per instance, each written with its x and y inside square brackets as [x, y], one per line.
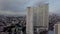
[18, 6]
[54, 6]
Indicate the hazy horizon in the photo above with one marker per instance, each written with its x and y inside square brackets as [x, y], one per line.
[16, 7]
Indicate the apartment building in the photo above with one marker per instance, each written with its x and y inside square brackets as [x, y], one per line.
[37, 18]
[57, 28]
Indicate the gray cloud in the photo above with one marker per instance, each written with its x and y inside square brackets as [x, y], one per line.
[16, 7]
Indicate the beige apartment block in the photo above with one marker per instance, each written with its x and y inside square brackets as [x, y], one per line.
[57, 28]
[40, 16]
[29, 21]
[37, 17]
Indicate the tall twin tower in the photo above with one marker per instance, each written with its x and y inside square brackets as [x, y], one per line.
[37, 18]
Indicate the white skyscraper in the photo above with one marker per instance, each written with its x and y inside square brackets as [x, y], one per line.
[29, 21]
[40, 16]
[37, 17]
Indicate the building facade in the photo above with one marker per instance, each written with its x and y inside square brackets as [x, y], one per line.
[57, 28]
[37, 18]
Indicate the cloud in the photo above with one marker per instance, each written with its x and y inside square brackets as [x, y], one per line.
[54, 6]
[17, 6]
